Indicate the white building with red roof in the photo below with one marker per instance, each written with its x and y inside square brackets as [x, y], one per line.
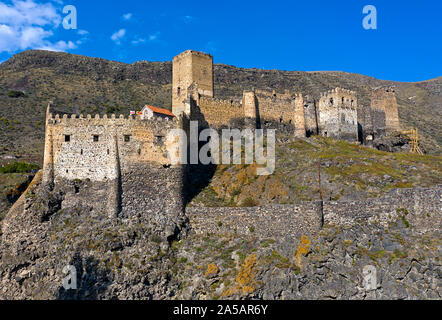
[148, 112]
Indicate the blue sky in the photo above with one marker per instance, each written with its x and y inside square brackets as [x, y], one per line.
[285, 35]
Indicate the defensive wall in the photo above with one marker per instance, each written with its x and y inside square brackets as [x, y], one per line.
[420, 207]
[122, 161]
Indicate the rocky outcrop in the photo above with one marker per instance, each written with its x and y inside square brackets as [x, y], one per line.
[115, 257]
[366, 250]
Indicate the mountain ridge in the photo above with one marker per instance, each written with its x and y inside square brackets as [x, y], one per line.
[83, 84]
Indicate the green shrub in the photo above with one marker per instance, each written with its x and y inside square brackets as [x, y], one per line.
[156, 238]
[18, 167]
[249, 202]
[15, 94]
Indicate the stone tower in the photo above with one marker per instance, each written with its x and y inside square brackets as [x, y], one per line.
[337, 114]
[191, 67]
[385, 115]
[299, 117]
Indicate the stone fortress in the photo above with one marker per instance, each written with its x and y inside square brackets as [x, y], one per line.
[109, 202]
[335, 114]
[116, 154]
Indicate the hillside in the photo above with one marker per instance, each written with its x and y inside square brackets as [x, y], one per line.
[348, 172]
[79, 84]
[91, 85]
[375, 235]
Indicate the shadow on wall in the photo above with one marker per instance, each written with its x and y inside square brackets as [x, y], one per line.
[360, 133]
[92, 281]
[198, 176]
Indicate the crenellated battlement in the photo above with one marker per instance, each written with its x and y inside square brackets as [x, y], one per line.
[113, 117]
[339, 98]
[338, 90]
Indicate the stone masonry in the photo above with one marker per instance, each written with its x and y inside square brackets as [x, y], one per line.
[334, 114]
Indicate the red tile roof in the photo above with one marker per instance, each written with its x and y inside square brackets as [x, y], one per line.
[160, 110]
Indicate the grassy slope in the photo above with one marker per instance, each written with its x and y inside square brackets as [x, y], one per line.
[348, 171]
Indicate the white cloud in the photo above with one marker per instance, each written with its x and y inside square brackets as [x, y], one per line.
[83, 32]
[28, 12]
[138, 41]
[118, 36]
[188, 19]
[60, 46]
[27, 24]
[154, 36]
[127, 16]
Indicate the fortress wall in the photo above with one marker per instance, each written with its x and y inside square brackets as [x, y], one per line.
[328, 116]
[348, 124]
[276, 107]
[219, 112]
[365, 119]
[250, 104]
[288, 222]
[202, 73]
[181, 79]
[274, 221]
[152, 191]
[299, 117]
[337, 114]
[379, 122]
[422, 205]
[384, 100]
[385, 112]
[84, 158]
[311, 121]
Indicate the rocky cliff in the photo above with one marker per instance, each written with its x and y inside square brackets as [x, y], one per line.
[387, 248]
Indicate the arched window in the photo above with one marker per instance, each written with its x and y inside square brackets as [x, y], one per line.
[179, 90]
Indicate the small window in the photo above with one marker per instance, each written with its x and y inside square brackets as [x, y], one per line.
[96, 138]
[127, 138]
[331, 100]
[343, 100]
[81, 151]
[139, 151]
[179, 90]
[108, 152]
[67, 138]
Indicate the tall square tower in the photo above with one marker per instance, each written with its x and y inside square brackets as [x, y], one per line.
[191, 67]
